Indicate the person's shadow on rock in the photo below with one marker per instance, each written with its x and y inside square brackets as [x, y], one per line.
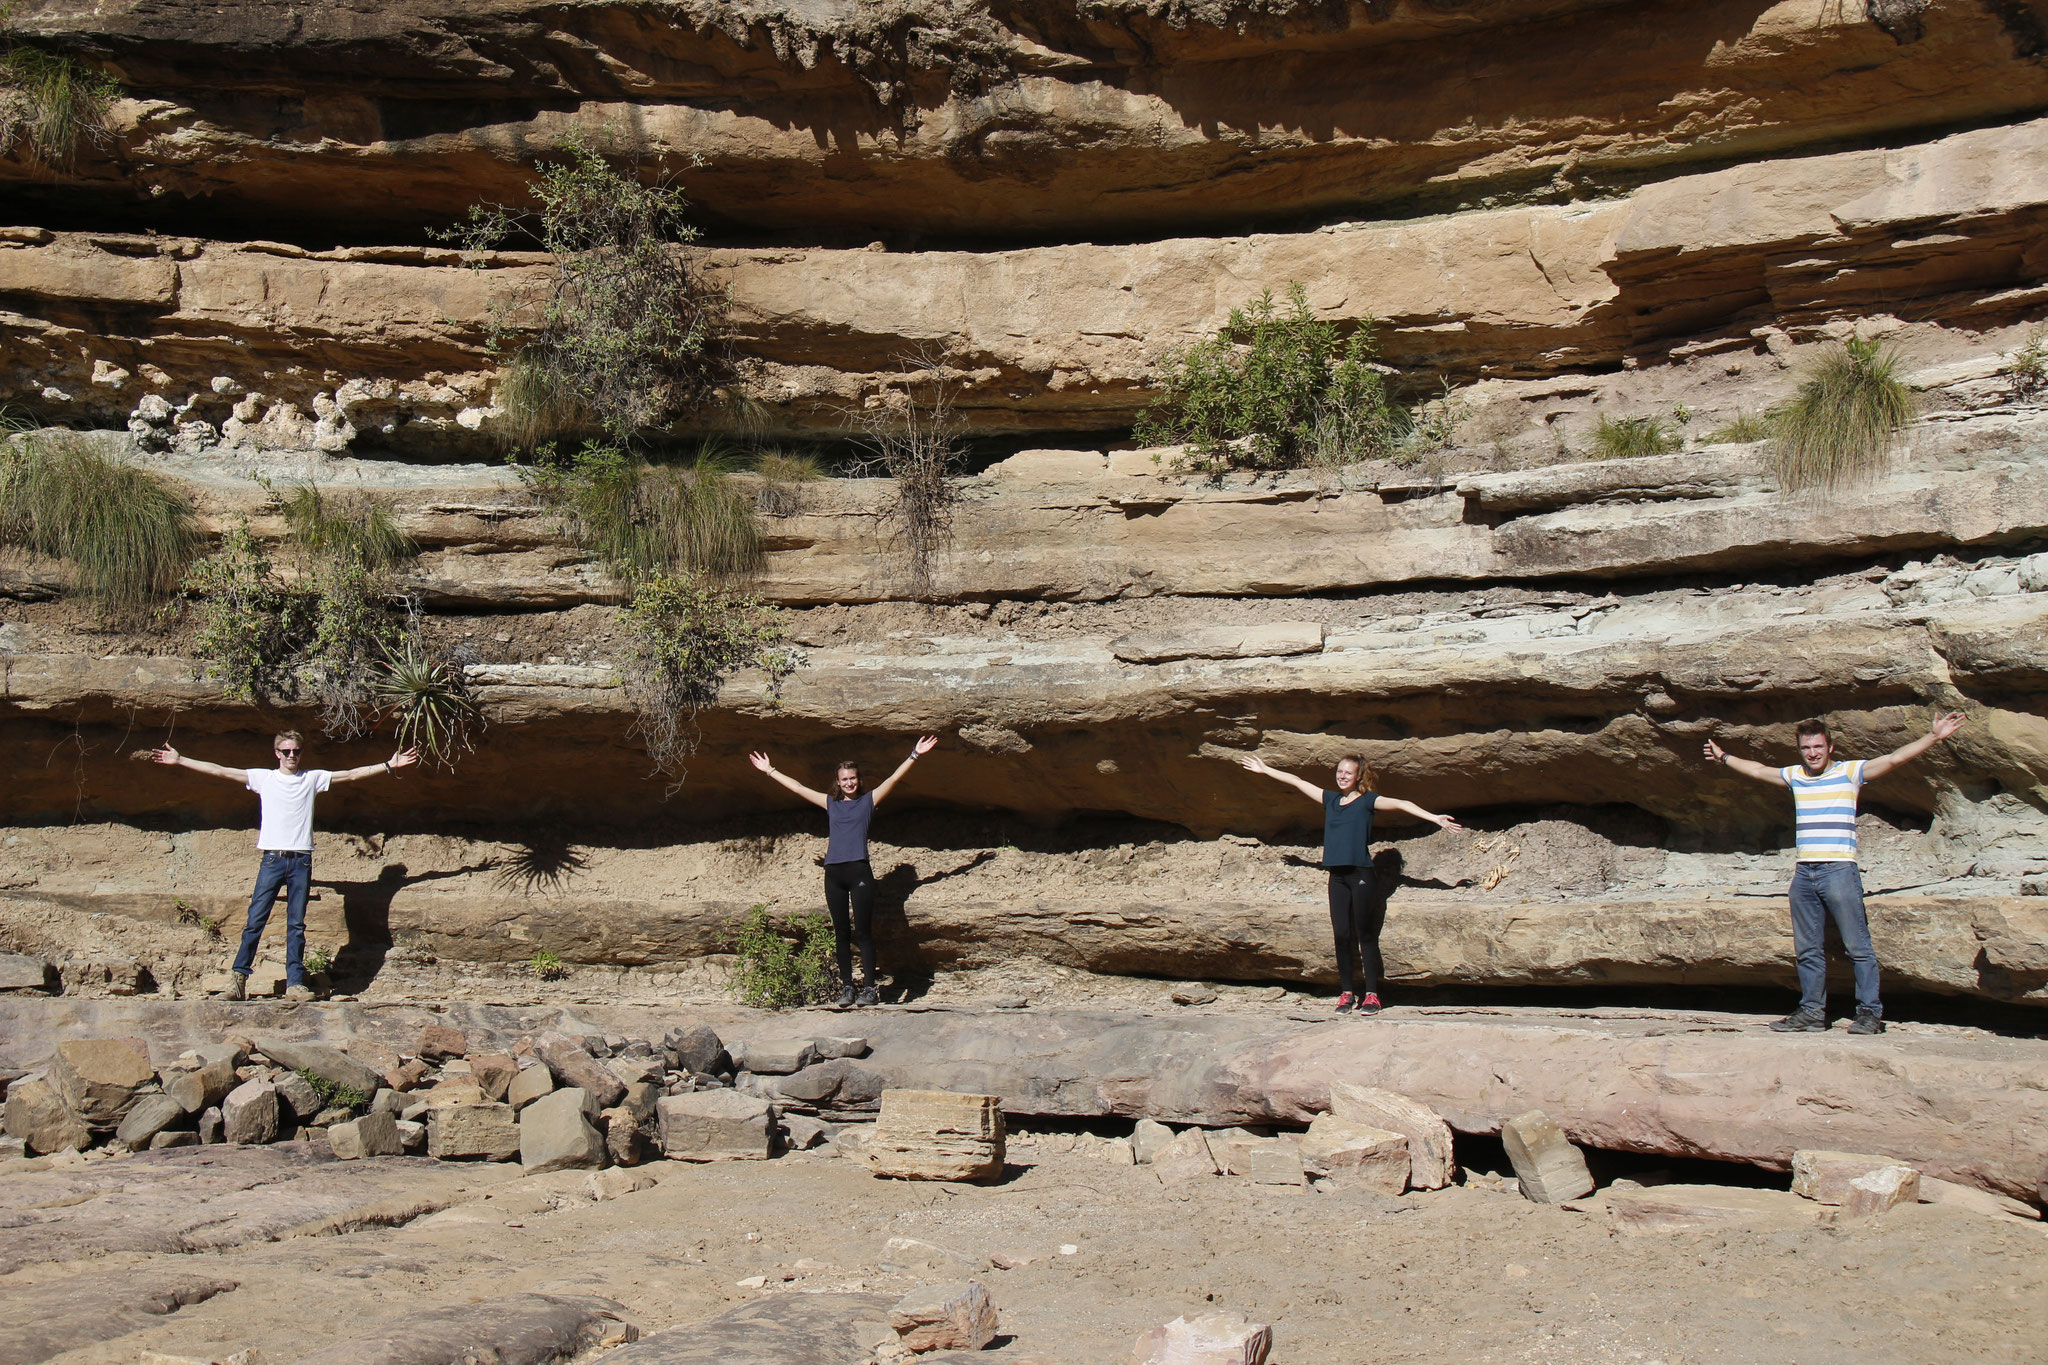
[909, 966]
[366, 913]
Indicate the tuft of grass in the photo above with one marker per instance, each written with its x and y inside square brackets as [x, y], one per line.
[648, 520]
[1841, 423]
[1626, 438]
[54, 104]
[546, 965]
[540, 403]
[2027, 366]
[783, 475]
[1746, 427]
[350, 526]
[126, 534]
[429, 700]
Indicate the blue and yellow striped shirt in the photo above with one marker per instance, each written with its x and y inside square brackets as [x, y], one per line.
[1824, 810]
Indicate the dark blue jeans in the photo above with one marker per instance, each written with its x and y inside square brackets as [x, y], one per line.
[1820, 890]
[293, 872]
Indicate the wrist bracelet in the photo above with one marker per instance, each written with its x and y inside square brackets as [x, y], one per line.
[387, 765]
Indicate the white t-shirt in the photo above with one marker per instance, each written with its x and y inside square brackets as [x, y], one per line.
[287, 806]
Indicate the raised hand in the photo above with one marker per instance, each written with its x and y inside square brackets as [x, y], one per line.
[1714, 752]
[760, 760]
[1253, 763]
[922, 747]
[404, 759]
[1948, 724]
[1446, 822]
[164, 755]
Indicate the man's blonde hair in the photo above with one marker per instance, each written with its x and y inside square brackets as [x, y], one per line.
[283, 735]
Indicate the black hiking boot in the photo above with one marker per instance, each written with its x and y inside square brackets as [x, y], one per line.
[1867, 1021]
[868, 996]
[1801, 1021]
[846, 997]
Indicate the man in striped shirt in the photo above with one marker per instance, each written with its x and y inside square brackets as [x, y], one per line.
[1826, 881]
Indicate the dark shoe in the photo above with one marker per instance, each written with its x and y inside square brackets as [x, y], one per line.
[868, 996]
[1369, 1003]
[1802, 1021]
[238, 985]
[846, 997]
[1867, 1021]
[1345, 1002]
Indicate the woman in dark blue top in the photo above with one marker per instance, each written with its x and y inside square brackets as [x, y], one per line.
[1356, 914]
[849, 879]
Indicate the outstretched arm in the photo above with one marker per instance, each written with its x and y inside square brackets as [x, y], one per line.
[917, 751]
[1747, 767]
[1440, 821]
[1943, 728]
[760, 760]
[403, 759]
[172, 758]
[1252, 763]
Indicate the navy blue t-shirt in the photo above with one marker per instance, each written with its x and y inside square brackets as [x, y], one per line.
[848, 822]
[1347, 830]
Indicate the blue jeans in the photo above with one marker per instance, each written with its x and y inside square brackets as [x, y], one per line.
[1818, 891]
[294, 872]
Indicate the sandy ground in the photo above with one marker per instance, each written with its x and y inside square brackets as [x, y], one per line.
[1344, 1276]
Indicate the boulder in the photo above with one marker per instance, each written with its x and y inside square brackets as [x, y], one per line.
[839, 1083]
[572, 1065]
[1825, 1177]
[371, 1135]
[944, 1317]
[438, 1042]
[466, 1132]
[1148, 1140]
[493, 1074]
[556, 1135]
[37, 1115]
[1685, 1208]
[1185, 1158]
[830, 1048]
[714, 1125]
[251, 1113]
[1937, 1191]
[1211, 1339]
[19, 972]
[203, 1088]
[385, 1061]
[1550, 1169]
[937, 1135]
[299, 1096]
[330, 1064]
[616, 1184]
[1431, 1162]
[1874, 1192]
[412, 1134]
[1276, 1161]
[212, 1128]
[99, 1078]
[778, 1056]
[149, 1116]
[163, 1140]
[529, 1085]
[1357, 1154]
[698, 1050]
[800, 1132]
[1232, 1149]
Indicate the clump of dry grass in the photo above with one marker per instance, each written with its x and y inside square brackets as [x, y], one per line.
[126, 534]
[1842, 422]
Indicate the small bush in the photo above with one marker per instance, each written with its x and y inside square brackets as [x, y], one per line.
[1432, 427]
[2027, 366]
[546, 965]
[916, 443]
[1275, 390]
[318, 960]
[331, 1095]
[126, 535]
[53, 104]
[428, 700]
[646, 520]
[251, 627]
[782, 964]
[349, 526]
[1744, 429]
[1623, 438]
[689, 635]
[1843, 419]
[783, 476]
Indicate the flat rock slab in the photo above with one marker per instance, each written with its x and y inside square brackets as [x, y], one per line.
[187, 1199]
[787, 1329]
[518, 1329]
[1686, 1208]
[49, 1319]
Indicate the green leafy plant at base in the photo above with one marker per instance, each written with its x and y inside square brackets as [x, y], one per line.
[251, 625]
[1624, 438]
[318, 960]
[53, 104]
[546, 965]
[783, 476]
[2027, 366]
[332, 1095]
[428, 700]
[1842, 421]
[689, 635]
[629, 335]
[1744, 429]
[644, 519]
[1275, 389]
[125, 534]
[782, 964]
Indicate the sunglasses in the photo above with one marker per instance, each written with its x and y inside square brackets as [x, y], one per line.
[287, 753]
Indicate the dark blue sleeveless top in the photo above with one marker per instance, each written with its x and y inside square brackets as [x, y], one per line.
[848, 822]
[1347, 831]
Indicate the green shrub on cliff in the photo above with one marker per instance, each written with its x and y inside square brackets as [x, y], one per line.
[782, 964]
[126, 535]
[691, 633]
[1275, 389]
[645, 519]
[629, 335]
[51, 103]
[1842, 421]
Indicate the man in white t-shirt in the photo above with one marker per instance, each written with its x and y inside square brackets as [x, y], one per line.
[285, 837]
[1825, 879]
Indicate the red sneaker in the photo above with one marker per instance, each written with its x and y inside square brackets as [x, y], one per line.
[1369, 1003]
[1345, 1002]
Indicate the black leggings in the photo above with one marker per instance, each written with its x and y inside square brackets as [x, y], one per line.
[1356, 914]
[851, 887]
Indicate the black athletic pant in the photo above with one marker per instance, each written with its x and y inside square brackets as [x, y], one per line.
[1356, 914]
[851, 887]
